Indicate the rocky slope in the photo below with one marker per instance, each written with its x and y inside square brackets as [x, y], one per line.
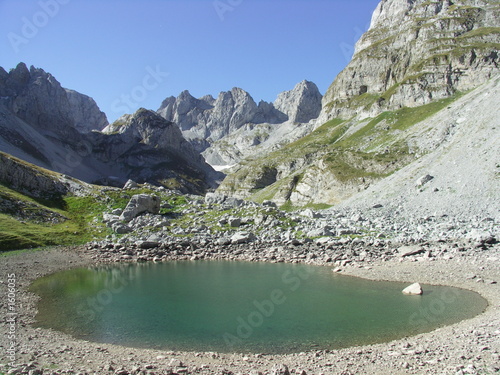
[226, 129]
[417, 58]
[56, 128]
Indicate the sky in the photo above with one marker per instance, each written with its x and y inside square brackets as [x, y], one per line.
[128, 54]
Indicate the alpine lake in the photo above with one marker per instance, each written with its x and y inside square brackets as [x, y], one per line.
[243, 307]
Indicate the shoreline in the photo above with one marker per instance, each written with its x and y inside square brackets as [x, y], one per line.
[468, 347]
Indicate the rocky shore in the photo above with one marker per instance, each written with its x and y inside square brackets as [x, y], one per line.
[468, 347]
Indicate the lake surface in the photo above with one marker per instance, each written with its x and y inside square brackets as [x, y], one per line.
[240, 307]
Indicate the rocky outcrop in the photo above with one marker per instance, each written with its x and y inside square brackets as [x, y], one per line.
[416, 52]
[147, 148]
[302, 104]
[29, 180]
[86, 114]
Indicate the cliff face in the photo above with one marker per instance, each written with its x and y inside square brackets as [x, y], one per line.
[417, 58]
[415, 52]
[37, 98]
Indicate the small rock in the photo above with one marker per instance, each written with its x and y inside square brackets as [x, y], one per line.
[406, 251]
[413, 289]
[423, 180]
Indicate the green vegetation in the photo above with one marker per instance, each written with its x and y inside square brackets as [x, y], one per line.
[351, 150]
[79, 219]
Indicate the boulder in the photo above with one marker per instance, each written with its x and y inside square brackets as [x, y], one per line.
[147, 244]
[130, 184]
[139, 204]
[310, 214]
[214, 198]
[413, 289]
[233, 202]
[280, 369]
[121, 228]
[242, 237]
[234, 222]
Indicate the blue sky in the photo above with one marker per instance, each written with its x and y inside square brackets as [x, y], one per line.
[128, 54]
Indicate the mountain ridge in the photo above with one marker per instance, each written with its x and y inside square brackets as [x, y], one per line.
[58, 129]
[210, 124]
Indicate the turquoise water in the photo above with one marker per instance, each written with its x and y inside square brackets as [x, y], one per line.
[240, 307]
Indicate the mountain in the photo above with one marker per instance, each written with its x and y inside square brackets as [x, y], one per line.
[147, 148]
[414, 53]
[226, 129]
[58, 129]
[417, 59]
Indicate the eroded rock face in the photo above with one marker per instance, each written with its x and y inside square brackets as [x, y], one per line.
[302, 104]
[146, 147]
[415, 52]
[86, 114]
[39, 99]
[23, 178]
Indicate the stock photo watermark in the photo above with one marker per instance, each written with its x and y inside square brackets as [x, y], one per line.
[151, 81]
[437, 307]
[348, 49]
[11, 319]
[265, 308]
[73, 158]
[94, 305]
[224, 6]
[31, 26]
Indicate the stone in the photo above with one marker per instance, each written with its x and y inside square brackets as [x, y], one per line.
[234, 202]
[423, 180]
[234, 222]
[269, 204]
[130, 184]
[413, 289]
[174, 362]
[139, 204]
[147, 244]
[242, 237]
[406, 251]
[310, 214]
[121, 228]
[280, 369]
[214, 198]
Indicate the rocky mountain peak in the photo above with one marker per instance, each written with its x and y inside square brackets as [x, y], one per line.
[37, 97]
[206, 120]
[301, 104]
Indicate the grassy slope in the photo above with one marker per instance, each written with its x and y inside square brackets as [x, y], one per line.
[80, 227]
[377, 149]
